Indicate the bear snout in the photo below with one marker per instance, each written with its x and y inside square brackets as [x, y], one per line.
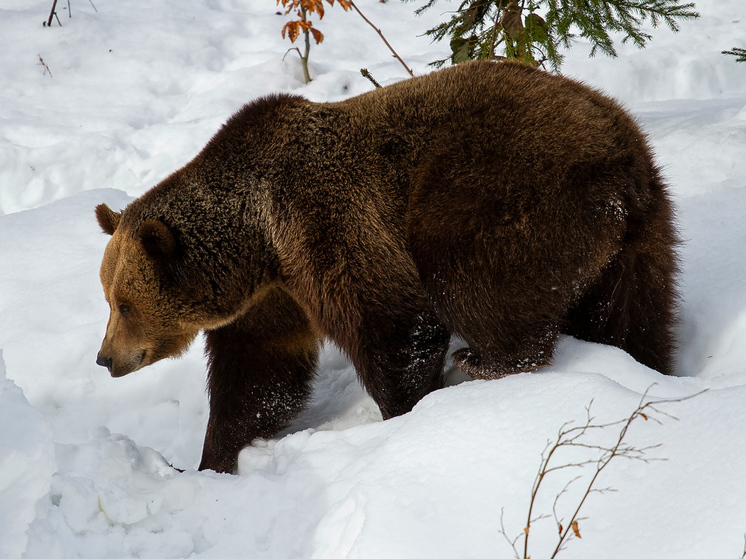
[104, 361]
[120, 365]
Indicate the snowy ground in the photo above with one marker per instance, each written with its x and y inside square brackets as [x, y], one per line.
[136, 89]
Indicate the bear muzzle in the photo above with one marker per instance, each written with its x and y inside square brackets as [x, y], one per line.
[121, 367]
[104, 361]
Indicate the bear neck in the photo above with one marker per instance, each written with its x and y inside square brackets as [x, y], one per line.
[222, 255]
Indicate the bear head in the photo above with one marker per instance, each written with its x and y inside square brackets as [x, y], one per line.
[146, 323]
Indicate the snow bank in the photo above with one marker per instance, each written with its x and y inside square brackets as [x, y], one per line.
[433, 483]
[26, 464]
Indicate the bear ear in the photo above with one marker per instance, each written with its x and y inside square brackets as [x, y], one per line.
[107, 218]
[157, 239]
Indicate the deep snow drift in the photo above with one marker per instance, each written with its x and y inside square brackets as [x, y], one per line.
[136, 90]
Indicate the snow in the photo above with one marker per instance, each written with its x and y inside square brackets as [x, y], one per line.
[136, 90]
[26, 464]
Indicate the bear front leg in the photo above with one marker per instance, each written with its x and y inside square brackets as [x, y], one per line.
[260, 372]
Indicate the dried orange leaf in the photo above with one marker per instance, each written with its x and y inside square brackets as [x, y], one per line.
[346, 5]
[292, 30]
[312, 6]
[289, 4]
[575, 529]
[318, 35]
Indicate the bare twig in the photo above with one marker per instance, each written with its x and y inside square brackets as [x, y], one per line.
[366, 74]
[558, 520]
[46, 68]
[511, 543]
[380, 34]
[52, 14]
[296, 49]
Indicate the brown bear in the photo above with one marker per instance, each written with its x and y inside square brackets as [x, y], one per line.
[490, 201]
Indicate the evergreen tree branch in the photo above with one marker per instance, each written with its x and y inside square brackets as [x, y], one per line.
[739, 53]
[479, 28]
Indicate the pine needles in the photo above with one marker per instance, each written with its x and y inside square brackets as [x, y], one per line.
[533, 31]
[740, 54]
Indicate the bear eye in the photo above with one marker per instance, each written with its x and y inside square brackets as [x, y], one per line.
[124, 310]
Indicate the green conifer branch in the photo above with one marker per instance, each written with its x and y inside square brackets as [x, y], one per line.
[739, 53]
[534, 30]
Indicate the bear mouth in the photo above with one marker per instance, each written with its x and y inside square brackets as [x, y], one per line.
[137, 361]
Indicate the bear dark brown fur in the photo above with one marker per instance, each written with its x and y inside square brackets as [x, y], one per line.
[491, 201]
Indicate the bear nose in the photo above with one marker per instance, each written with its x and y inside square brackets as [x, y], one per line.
[104, 361]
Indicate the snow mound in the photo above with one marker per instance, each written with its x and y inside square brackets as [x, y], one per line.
[26, 464]
[433, 483]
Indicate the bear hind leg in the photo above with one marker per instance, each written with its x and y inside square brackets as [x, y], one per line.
[632, 305]
[489, 363]
[477, 367]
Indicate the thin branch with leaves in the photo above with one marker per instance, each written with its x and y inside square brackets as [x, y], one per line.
[303, 25]
[574, 436]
